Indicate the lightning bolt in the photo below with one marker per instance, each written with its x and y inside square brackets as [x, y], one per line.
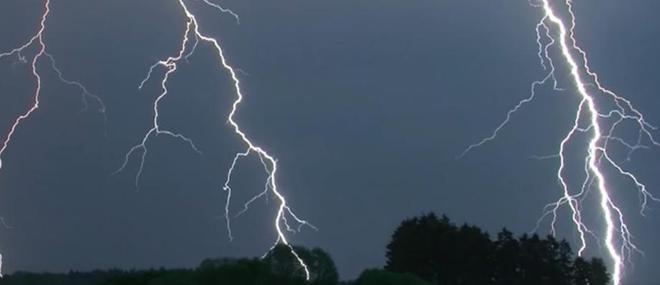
[37, 40]
[285, 214]
[599, 123]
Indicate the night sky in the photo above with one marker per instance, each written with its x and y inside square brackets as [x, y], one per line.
[366, 104]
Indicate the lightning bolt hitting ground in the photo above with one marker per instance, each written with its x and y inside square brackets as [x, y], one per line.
[600, 124]
[37, 40]
[269, 162]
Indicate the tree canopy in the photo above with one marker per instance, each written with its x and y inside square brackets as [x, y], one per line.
[442, 253]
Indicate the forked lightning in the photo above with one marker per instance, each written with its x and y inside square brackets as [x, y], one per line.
[597, 121]
[600, 123]
[269, 162]
[37, 41]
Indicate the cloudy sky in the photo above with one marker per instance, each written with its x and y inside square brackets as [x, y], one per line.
[366, 104]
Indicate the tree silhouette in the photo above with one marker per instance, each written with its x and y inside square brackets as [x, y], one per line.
[283, 264]
[424, 250]
[381, 277]
[544, 261]
[589, 273]
[233, 271]
[441, 253]
[418, 246]
[506, 269]
[321, 266]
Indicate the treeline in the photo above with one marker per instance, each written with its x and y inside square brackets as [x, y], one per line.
[278, 267]
[442, 253]
[424, 250]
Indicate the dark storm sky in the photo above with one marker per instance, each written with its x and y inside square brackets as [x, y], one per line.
[366, 104]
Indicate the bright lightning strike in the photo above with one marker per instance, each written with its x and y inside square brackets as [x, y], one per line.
[595, 121]
[37, 41]
[269, 162]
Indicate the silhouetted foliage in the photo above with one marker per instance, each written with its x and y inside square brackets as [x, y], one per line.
[153, 277]
[71, 278]
[284, 264]
[233, 271]
[424, 250]
[381, 277]
[440, 252]
[588, 273]
[279, 267]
